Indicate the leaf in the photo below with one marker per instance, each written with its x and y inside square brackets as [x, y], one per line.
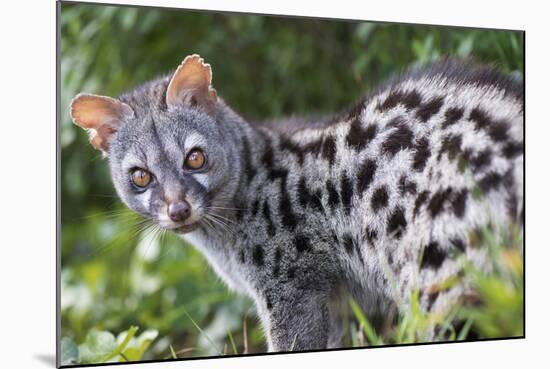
[69, 351]
[129, 335]
[97, 346]
[137, 346]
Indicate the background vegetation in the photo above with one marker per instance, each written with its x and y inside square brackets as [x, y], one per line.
[117, 277]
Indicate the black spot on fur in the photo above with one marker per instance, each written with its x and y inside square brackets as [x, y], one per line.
[353, 138]
[372, 235]
[358, 137]
[291, 272]
[241, 256]
[459, 203]
[379, 198]
[249, 170]
[400, 139]
[481, 160]
[267, 215]
[288, 145]
[302, 243]
[303, 193]
[288, 217]
[348, 243]
[490, 181]
[333, 198]
[432, 256]
[278, 255]
[409, 99]
[480, 118]
[397, 223]
[458, 243]
[432, 297]
[239, 214]
[511, 198]
[365, 175]
[430, 108]
[451, 145]
[406, 186]
[370, 132]
[422, 153]
[497, 130]
[267, 158]
[314, 147]
[329, 149]
[315, 200]
[258, 255]
[268, 302]
[334, 238]
[274, 174]
[438, 201]
[512, 149]
[346, 192]
[255, 207]
[452, 115]
[420, 200]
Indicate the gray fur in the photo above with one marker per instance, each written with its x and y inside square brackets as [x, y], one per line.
[297, 218]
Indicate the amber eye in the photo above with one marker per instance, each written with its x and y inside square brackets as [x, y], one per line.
[195, 159]
[141, 178]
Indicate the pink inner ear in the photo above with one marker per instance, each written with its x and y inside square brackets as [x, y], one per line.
[101, 114]
[92, 111]
[191, 82]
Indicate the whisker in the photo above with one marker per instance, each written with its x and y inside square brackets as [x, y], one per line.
[223, 208]
[223, 218]
[136, 229]
[220, 223]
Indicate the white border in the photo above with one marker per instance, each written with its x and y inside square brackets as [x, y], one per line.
[28, 182]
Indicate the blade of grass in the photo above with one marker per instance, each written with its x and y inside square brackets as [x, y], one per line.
[173, 353]
[367, 328]
[245, 337]
[201, 331]
[233, 346]
[465, 329]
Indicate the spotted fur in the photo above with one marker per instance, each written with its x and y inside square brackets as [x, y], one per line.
[389, 191]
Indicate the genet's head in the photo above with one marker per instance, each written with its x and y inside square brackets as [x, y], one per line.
[167, 155]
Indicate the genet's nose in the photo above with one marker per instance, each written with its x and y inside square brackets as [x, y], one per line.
[179, 211]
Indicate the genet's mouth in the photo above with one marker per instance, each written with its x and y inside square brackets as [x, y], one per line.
[186, 228]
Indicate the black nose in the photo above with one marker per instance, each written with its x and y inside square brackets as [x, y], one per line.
[179, 211]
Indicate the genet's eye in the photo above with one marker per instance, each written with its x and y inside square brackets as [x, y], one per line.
[141, 178]
[195, 159]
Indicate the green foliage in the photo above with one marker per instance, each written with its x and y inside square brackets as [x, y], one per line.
[103, 347]
[499, 312]
[115, 273]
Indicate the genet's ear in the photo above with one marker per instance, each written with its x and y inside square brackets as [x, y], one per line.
[101, 116]
[192, 84]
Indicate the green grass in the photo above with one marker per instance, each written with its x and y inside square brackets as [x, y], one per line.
[497, 312]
